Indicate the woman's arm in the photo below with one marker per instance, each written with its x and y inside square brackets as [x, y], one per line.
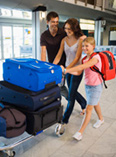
[78, 53]
[60, 52]
[81, 67]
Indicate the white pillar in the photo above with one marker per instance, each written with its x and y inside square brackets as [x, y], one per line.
[38, 26]
[97, 34]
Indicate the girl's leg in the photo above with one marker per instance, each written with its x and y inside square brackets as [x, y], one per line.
[98, 111]
[86, 118]
[78, 135]
[100, 121]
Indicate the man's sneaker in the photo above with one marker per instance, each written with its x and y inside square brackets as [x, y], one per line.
[77, 136]
[60, 129]
[98, 123]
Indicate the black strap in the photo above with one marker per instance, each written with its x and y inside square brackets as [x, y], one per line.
[11, 128]
[16, 122]
[96, 69]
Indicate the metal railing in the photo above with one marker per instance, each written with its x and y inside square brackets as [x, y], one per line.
[110, 5]
[103, 4]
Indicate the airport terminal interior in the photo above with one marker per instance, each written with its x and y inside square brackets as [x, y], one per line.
[21, 24]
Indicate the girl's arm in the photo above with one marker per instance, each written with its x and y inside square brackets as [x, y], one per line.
[73, 73]
[78, 53]
[60, 52]
[81, 67]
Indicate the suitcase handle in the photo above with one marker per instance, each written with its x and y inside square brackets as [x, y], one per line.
[33, 64]
[50, 84]
[50, 69]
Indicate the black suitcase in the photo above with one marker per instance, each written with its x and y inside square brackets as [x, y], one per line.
[44, 117]
[27, 99]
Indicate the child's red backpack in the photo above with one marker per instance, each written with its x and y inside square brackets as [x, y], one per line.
[108, 70]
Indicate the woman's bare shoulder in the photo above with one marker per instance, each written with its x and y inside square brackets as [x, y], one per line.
[64, 39]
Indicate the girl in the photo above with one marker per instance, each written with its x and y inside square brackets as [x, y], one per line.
[93, 84]
[72, 45]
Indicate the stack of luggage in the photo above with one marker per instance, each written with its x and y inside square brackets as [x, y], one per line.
[30, 87]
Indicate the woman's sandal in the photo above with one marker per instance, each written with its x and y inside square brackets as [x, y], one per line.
[82, 113]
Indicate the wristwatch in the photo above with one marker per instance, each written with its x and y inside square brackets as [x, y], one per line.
[64, 71]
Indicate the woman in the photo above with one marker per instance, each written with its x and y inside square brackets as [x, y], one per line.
[72, 45]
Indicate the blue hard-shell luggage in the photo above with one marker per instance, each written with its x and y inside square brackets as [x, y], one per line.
[26, 99]
[31, 74]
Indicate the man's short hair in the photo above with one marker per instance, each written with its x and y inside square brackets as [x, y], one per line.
[50, 15]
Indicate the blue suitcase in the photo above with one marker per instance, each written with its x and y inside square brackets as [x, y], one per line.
[31, 74]
[23, 98]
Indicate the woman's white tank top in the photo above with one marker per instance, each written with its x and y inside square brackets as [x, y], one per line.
[70, 52]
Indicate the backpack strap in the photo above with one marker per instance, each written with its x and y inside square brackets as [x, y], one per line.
[95, 68]
[83, 59]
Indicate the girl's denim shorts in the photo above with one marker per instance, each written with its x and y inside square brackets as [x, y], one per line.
[93, 94]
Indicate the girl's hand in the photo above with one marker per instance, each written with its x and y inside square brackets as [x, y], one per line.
[62, 68]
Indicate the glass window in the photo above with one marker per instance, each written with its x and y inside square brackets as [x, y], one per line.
[86, 26]
[27, 15]
[27, 36]
[7, 42]
[26, 48]
[5, 12]
[18, 40]
[0, 44]
[17, 13]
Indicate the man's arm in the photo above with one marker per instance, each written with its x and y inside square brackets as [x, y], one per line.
[43, 53]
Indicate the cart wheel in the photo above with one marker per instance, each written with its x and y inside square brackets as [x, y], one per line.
[10, 153]
[13, 154]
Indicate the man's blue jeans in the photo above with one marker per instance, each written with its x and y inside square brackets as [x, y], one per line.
[73, 83]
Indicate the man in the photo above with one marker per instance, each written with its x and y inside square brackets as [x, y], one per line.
[50, 43]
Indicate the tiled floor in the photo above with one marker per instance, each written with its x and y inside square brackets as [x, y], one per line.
[95, 143]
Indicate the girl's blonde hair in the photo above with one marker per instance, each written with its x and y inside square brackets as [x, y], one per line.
[89, 40]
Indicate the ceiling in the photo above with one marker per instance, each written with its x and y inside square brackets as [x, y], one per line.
[62, 8]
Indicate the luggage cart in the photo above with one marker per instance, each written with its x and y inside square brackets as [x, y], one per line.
[8, 149]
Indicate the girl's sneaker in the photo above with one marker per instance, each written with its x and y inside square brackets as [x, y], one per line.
[98, 123]
[77, 136]
[60, 129]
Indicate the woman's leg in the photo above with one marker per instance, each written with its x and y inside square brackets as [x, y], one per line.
[72, 82]
[60, 128]
[86, 118]
[98, 111]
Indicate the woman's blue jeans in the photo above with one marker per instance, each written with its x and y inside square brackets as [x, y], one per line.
[73, 83]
